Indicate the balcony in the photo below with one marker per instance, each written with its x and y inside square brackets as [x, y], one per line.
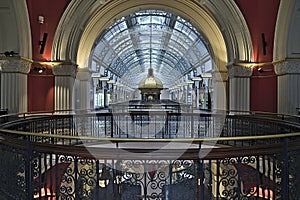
[150, 154]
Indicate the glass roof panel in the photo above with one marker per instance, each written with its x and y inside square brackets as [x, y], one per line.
[162, 40]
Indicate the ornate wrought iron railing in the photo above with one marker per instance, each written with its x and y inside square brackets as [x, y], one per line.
[108, 155]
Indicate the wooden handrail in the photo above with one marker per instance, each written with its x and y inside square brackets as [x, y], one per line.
[162, 154]
[183, 140]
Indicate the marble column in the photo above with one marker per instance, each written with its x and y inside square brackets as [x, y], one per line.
[14, 84]
[84, 91]
[64, 86]
[288, 82]
[239, 87]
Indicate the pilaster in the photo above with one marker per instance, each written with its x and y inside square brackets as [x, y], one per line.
[83, 94]
[288, 81]
[65, 74]
[14, 84]
[219, 93]
[239, 87]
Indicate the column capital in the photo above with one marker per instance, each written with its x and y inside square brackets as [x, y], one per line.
[83, 74]
[219, 76]
[15, 65]
[65, 69]
[239, 71]
[287, 67]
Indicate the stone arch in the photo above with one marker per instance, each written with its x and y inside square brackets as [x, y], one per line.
[286, 42]
[15, 28]
[286, 56]
[15, 34]
[188, 10]
[228, 34]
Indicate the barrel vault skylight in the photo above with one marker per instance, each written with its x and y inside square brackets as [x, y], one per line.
[171, 44]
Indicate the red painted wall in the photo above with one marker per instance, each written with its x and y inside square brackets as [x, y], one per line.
[40, 92]
[41, 86]
[261, 17]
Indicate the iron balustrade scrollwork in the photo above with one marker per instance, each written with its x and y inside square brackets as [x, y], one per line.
[153, 125]
[13, 177]
[61, 157]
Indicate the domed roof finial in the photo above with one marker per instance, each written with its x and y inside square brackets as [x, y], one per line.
[150, 72]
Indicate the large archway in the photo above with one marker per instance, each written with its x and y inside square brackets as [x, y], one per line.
[116, 9]
[226, 46]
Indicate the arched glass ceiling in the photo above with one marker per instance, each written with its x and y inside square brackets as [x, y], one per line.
[170, 43]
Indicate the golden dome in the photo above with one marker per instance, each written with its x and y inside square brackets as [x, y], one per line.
[151, 82]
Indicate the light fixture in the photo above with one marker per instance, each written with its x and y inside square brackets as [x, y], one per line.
[197, 78]
[42, 43]
[206, 75]
[50, 63]
[104, 178]
[104, 79]
[260, 69]
[10, 53]
[41, 19]
[264, 43]
[96, 75]
[40, 69]
[111, 82]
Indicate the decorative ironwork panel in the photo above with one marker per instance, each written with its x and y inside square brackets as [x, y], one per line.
[13, 184]
[34, 173]
[294, 175]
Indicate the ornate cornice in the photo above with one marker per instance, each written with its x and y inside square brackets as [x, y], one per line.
[15, 65]
[65, 70]
[287, 67]
[2, 63]
[239, 71]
